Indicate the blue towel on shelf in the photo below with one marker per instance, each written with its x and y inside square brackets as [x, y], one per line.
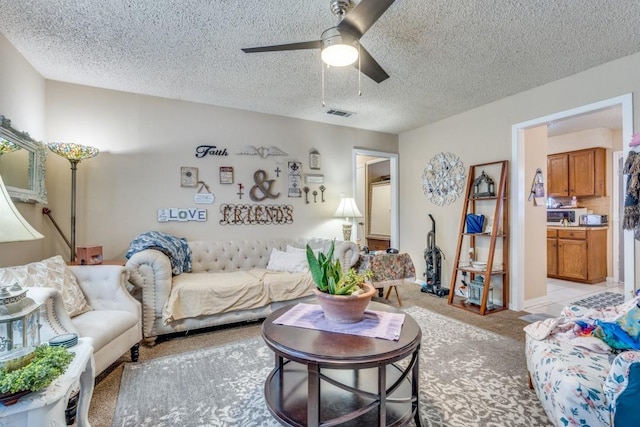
[475, 223]
[174, 247]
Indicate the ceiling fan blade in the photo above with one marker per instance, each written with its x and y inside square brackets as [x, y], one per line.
[291, 46]
[359, 19]
[369, 66]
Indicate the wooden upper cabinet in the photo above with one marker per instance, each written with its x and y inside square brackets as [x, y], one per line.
[577, 173]
[558, 175]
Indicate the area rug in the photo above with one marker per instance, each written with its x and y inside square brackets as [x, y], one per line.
[601, 300]
[468, 377]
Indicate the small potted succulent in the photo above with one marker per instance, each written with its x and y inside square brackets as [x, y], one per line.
[343, 296]
[48, 363]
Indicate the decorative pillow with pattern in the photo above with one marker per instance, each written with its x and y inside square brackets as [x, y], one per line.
[49, 273]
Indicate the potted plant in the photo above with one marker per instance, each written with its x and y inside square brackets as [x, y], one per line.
[47, 364]
[343, 296]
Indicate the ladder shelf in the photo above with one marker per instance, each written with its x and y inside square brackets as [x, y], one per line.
[499, 232]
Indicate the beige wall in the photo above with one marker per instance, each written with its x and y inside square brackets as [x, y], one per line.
[22, 101]
[144, 141]
[535, 217]
[484, 134]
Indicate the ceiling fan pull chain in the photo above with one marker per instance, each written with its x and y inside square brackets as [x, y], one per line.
[322, 65]
[359, 71]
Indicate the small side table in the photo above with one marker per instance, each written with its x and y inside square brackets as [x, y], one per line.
[388, 270]
[46, 407]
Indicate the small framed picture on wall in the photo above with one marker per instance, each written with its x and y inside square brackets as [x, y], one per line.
[226, 175]
[314, 159]
[188, 176]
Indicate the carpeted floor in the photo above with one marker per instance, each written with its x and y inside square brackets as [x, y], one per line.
[101, 412]
[224, 385]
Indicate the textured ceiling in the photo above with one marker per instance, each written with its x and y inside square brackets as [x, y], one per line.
[443, 56]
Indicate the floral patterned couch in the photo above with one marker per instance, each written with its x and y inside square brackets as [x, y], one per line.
[583, 376]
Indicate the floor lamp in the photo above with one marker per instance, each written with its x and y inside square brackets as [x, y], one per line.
[75, 154]
[347, 209]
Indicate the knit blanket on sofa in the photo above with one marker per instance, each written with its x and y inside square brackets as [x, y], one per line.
[173, 247]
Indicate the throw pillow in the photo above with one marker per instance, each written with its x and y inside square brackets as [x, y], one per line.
[630, 322]
[293, 249]
[291, 262]
[51, 273]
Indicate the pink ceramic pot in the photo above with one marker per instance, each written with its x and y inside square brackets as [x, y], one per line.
[345, 308]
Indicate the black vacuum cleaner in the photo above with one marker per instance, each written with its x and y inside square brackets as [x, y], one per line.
[433, 257]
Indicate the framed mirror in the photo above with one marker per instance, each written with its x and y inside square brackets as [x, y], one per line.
[22, 164]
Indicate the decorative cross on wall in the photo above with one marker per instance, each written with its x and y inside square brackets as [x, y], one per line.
[240, 193]
[277, 171]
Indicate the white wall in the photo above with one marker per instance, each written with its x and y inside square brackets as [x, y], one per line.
[22, 101]
[484, 134]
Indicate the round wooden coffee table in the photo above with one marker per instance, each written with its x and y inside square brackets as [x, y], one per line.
[327, 378]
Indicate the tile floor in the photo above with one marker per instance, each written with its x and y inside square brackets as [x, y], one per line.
[561, 292]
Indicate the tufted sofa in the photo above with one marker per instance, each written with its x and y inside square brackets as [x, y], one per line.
[91, 301]
[578, 379]
[229, 283]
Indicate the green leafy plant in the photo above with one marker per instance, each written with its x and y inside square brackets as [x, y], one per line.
[47, 365]
[328, 276]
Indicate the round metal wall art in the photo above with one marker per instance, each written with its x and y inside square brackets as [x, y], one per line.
[443, 179]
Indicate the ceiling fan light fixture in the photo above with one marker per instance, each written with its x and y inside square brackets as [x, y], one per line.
[338, 48]
[339, 55]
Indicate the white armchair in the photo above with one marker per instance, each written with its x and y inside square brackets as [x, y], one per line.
[114, 322]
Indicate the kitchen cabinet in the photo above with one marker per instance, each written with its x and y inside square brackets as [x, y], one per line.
[577, 254]
[577, 173]
[552, 252]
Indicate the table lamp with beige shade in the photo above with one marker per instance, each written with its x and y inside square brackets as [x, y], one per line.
[347, 209]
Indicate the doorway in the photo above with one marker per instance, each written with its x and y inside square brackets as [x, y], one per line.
[375, 188]
[521, 192]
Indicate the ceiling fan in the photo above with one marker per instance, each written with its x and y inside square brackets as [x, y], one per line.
[340, 45]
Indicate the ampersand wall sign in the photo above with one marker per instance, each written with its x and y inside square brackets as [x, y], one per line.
[263, 186]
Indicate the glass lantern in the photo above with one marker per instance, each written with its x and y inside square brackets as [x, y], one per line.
[476, 289]
[483, 186]
[19, 325]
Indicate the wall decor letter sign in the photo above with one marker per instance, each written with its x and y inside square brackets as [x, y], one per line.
[182, 215]
[263, 186]
[256, 214]
[210, 150]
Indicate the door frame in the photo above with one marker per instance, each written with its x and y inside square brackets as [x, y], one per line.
[520, 193]
[393, 171]
[617, 162]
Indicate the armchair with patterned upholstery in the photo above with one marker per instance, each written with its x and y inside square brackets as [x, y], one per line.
[91, 301]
